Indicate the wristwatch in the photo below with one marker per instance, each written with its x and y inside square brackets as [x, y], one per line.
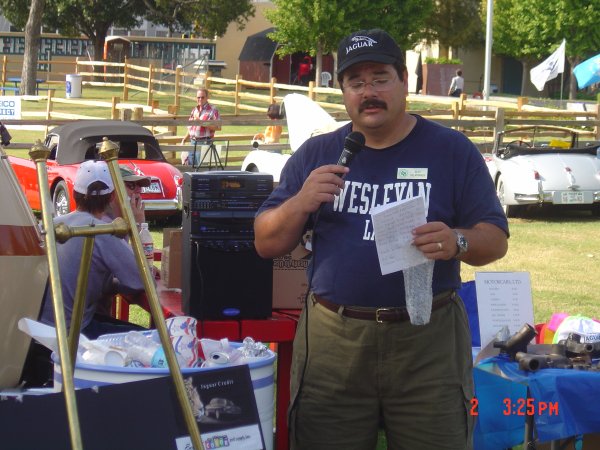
[461, 243]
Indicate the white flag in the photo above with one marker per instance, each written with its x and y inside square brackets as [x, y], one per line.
[550, 68]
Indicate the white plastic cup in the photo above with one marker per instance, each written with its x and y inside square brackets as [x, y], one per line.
[115, 358]
[99, 355]
[216, 359]
[182, 326]
[186, 350]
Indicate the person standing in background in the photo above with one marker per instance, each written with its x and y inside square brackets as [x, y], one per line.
[457, 85]
[304, 70]
[200, 134]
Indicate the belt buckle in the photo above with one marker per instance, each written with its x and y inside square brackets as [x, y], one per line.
[379, 311]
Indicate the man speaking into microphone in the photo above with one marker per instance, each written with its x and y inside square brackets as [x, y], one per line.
[359, 363]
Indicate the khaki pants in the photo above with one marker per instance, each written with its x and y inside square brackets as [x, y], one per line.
[414, 381]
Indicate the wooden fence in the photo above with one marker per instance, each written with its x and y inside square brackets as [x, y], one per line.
[478, 119]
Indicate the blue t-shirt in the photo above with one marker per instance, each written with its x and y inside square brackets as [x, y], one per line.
[112, 257]
[452, 177]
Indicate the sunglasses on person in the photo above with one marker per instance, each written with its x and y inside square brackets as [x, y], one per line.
[131, 185]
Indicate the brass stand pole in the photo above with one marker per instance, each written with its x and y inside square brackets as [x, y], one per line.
[39, 154]
[80, 294]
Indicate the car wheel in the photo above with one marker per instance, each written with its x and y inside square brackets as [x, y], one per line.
[509, 210]
[60, 199]
[252, 168]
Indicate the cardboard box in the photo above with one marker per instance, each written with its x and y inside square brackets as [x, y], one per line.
[289, 279]
[168, 232]
[171, 258]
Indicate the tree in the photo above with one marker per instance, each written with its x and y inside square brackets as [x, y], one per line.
[16, 11]
[94, 18]
[511, 37]
[317, 27]
[530, 30]
[456, 24]
[32, 45]
[577, 22]
[207, 18]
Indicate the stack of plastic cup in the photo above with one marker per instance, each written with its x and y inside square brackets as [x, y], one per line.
[182, 330]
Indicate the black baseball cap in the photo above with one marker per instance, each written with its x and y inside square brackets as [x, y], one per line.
[368, 45]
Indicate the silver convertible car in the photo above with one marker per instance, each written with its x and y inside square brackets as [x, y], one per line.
[530, 171]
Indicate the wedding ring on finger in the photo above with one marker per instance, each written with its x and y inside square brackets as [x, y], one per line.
[440, 247]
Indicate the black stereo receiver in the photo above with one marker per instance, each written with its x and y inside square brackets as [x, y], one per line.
[222, 204]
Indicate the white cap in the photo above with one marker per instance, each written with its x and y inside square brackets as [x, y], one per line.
[89, 172]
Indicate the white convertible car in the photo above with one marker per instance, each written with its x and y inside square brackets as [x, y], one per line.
[305, 118]
[556, 172]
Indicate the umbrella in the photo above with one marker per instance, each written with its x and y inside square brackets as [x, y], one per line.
[588, 72]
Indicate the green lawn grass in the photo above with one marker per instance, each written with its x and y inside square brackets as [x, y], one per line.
[561, 252]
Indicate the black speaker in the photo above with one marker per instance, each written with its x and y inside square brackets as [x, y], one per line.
[228, 280]
[222, 275]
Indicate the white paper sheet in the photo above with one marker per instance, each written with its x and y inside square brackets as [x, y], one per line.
[503, 299]
[393, 224]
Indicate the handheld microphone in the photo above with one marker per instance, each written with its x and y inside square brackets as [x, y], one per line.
[353, 144]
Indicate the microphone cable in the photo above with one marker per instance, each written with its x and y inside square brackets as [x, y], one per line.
[353, 143]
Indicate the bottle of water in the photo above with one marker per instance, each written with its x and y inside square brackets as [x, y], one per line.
[147, 244]
[144, 350]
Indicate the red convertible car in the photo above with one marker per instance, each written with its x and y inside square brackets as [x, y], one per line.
[78, 141]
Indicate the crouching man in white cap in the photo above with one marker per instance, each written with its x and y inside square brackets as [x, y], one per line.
[112, 257]
[113, 262]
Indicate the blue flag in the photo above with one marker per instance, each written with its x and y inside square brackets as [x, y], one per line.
[588, 72]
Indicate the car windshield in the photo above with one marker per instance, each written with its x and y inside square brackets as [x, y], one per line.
[129, 148]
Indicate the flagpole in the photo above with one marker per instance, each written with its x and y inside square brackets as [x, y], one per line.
[562, 77]
[488, 49]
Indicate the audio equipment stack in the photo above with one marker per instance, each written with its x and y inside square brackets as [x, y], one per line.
[222, 275]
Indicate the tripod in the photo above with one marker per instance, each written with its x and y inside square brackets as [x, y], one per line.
[211, 153]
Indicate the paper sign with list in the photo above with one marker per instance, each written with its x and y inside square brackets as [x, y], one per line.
[503, 299]
[393, 224]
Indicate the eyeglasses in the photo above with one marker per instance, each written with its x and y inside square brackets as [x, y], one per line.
[378, 85]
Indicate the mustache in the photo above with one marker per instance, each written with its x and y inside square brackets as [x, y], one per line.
[372, 103]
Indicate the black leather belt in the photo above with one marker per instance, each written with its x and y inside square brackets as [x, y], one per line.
[399, 314]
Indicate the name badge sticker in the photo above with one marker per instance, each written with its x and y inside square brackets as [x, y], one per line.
[412, 173]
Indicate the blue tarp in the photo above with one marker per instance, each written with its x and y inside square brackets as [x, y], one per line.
[564, 403]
